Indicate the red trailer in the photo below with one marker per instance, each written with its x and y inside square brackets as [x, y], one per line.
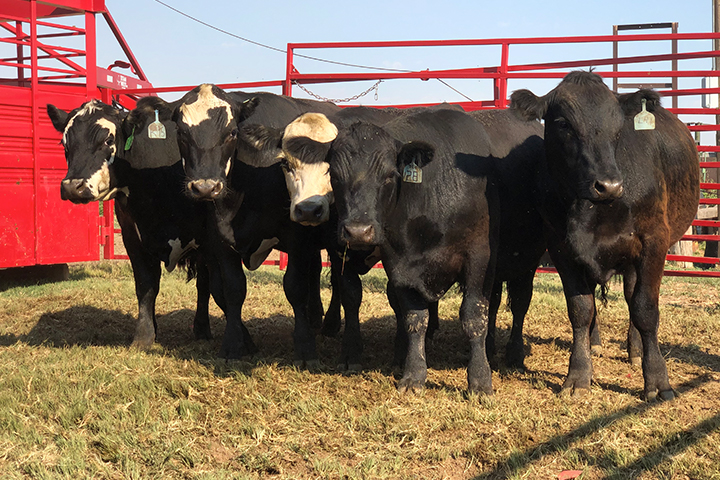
[47, 58]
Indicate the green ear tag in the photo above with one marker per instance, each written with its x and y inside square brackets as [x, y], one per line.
[129, 141]
[412, 173]
[644, 120]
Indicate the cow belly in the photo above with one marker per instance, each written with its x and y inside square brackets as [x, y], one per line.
[431, 274]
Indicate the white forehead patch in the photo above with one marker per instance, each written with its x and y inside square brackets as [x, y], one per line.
[196, 112]
[314, 126]
[87, 109]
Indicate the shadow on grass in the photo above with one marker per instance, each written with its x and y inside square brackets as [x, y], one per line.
[517, 462]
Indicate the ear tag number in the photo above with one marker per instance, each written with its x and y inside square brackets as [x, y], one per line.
[156, 129]
[129, 141]
[644, 120]
[412, 173]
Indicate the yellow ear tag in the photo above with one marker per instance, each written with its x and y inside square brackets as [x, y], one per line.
[644, 120]
[156, 129]
[412, 173]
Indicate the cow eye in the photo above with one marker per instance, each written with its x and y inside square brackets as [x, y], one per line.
[561, 123]
[110, 141]
[285, 164]
[234, 133]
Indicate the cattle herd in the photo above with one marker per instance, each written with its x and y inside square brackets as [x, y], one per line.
[217, 180]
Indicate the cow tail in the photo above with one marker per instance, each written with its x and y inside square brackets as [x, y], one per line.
[604, 289]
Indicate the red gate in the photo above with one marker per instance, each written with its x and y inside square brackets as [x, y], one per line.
[47, 62]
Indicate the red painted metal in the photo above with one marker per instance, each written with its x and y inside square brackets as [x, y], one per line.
[36, 227]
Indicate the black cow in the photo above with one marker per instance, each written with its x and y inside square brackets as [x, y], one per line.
[518, 147]
[613, 200]
[432, 208]
[158, 222]
[250, 201]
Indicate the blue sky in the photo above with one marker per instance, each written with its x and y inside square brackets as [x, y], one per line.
[174, 50]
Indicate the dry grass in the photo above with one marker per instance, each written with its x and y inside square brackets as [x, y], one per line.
[76, 403]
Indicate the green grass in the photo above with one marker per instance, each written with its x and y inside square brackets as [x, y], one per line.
[76, 402]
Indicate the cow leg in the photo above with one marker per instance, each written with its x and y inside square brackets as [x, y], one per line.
[595, 340]
[433, 320]
[495, 298]
[146, 272]
[333, 318]
[201, 323]
[298, 285]
[645, 315]
[401, 339]
[414, 310]
[315, 310]
[634, 342]
[352, 345]
[236, 339]
[520, 291]
[474, 312]
[580, 299]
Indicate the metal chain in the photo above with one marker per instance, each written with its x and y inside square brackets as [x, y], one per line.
[341, 100]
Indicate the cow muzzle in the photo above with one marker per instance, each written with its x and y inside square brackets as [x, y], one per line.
[205, 189]
[358, 235]
[311, 212]
[607, 190]
[76, 190]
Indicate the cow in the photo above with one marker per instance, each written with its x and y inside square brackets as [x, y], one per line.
[613, 199]
[109, 155]
[517, 147]
[421, 188]
[227, 165]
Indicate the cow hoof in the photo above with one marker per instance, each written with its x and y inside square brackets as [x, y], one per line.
[354, 367]
[313, 365]
[664, 395]
[410, 385]
[202, 334]
[142, 343]
[636, 361]
[574, 392]
[235, 353]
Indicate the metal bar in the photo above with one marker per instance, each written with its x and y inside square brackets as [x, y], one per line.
[703, 128]
[702, 238]
[512, 41]
[41, 57]
[689, 258]
[289, 69]
[615, 56]
[35, 123]
[710, 201]
[711, 186]
[224, 86]
[42, 69]
[20, 52]
[695, 111]
[501, 81]
[643, 26]
[90, 56]
[123, 44]
[108, 229]
[706, 223]
[675, 63]
[690, 273]
[616, 61]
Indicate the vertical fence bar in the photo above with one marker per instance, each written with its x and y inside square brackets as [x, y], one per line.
[34, 129]
[615, 56]
[675, 64]
[287, 86]
[108, 229]
[20, 53]
[90, 56]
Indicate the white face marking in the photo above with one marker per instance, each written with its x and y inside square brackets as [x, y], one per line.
[227, 167]
[257, 258]
[105, 123]
[87, 109]
[99, 183]
[194, 113]
[177, 251]
[309, 180]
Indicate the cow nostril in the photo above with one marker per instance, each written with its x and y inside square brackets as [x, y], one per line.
[205, 188]
[359, 233]
[607, 189]
[318, 211]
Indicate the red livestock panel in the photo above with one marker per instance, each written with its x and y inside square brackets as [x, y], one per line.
[36, 227]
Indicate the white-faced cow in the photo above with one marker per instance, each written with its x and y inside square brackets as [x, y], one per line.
[250, 200]
[158, 222]
[421, 189]
[613, 199]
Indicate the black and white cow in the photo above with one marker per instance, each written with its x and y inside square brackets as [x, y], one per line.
[613, 200]
[421, 189]
[159, 223]
[226, 163]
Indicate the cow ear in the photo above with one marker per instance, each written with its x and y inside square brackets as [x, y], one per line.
[259, 146]
[420, 153]
[246, 109]
[58, 117]
[631, 103]
[528, 105]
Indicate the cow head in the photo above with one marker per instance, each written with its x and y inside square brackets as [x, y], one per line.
[305, 145]
[90, 137]
[365, 169]
[583, 119]
[207, 120]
